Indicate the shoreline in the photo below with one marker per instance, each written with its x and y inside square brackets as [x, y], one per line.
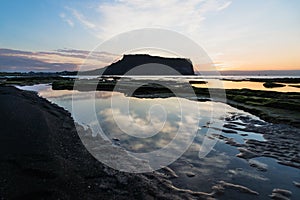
[56, 164]
[271, 106]
[42, 156]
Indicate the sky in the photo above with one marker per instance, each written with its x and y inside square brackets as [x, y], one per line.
[55, 35]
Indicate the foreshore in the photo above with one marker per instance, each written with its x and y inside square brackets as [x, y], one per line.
[42, 157]
[271, 106]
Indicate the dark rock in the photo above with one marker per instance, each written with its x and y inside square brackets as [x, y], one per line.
[245, 153]
[272, 85]
[296, 184]
[258, 165]
[116, 139]
[283, 192]
[240, 188]
[278, 196]
[190, 174]
[152, 66]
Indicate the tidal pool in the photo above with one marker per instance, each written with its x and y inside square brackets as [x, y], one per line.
[149, 124]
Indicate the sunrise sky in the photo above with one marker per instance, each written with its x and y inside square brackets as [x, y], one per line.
[237, 34]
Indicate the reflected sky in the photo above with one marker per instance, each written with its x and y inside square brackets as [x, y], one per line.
[155, 121]
[220, 163]
[249, 85]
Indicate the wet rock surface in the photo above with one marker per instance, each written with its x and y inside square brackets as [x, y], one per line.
[297, 184]
[281, 194]
[272, 85]
[282, 141]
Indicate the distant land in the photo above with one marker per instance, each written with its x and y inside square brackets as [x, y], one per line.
[128, 62]
[223, 73]
[261, 73]
[149, 65]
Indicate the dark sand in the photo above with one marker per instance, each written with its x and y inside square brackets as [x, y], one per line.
[42, 157]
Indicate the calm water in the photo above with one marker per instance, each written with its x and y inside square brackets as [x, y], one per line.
[146, 117]
[213, 83]
[249, 85]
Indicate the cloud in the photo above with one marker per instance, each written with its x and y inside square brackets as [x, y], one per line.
[19, 63]
[182, 16]
[108, 19]
[67, 20]
[224, 6]
[119, 16]
[81, 18]
[60, 60]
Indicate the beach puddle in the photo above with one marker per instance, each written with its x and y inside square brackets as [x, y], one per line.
[220, 167]
[242, 136]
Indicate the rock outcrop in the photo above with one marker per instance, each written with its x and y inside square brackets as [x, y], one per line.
[142, 64]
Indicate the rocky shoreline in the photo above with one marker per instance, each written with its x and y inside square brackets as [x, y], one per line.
[42, 157]
[282, 141]
[270, 106]
[53, 163]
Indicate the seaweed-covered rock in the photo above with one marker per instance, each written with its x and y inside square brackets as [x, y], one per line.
[272, 85]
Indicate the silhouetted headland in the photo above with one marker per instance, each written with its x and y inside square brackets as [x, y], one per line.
[149, 65]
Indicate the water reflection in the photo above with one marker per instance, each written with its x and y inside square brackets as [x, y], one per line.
[156, 128]
[247, 84]
[193, 173]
